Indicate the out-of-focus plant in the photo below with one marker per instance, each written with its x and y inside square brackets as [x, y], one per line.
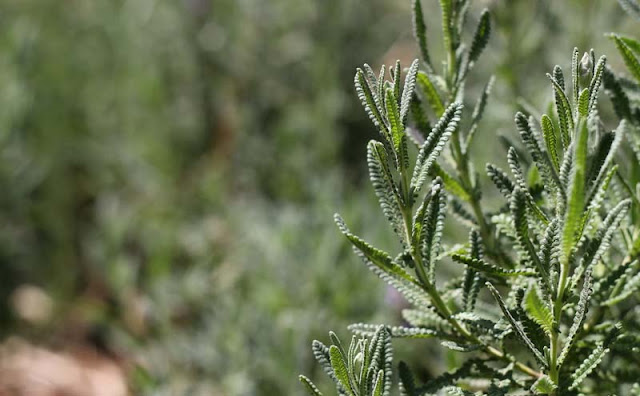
[129, 132]
[559, 248]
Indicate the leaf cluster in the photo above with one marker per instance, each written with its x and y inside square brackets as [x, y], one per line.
[559, 258]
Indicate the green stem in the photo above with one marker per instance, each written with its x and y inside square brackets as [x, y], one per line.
[557, 315]
[444, 310]
[553, 364]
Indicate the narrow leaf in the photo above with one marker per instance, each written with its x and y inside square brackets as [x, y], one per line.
[377, 257]
[550, 140]
[575, 204]
[517, 326]
[309, 386]
[340, 369]
[480, 37]
[543, 386]
[489, 269]
[578, 318]
[596, 81]
[420, 31]
[501, 180]
[629, 58]
[430, 93]
[583, 103]
[588, 365]
[575, 75]
[408, 91]
[368, 101]
[451, 183]
[378, 386]
[434, 144]
[384, 185]
[538, 310]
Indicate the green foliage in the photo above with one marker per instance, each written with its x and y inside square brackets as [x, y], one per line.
[552, 247]
[361, 370]
[588, 365]
[539, 311]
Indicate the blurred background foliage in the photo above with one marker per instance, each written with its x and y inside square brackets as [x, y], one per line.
[169, 170]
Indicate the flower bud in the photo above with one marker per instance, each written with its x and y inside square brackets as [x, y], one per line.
[585, 69]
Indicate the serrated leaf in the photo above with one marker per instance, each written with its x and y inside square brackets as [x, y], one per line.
[540, 157]
[583, 102]
[321, 353]
[396, 74]
[430, 93]
[421, 125]
[426, 318]
[566, 166]
[368, 101]
[481, 36]
[565, 119]
[384, 186]
[309, 386]
[501, 180]
[434, 144]
[588, 365]
[618, 96]
[547, 250]
[629, 58]
[575, 75]
[408, 91]
[396, 128]
[575, 200]
[490, 269]
[632, 43]
[514, 164]
[454, 346]
[562, 96]
[451, 183]
[538, 310]
[578, 318]
[407, 383]
[378, 386]
[544, 386]
[517, 326]
[596, 80]
[339, 366]
[382, 355]
[376, 256]
[604, 172]
[456, 391]
[478, 324]
[447, 22]
[517, 205]
[369, 330]
[432, 225]
[472, 279]
[550, 140]
[599, 244]
[420, 32]
[631, 286]
[462, 214]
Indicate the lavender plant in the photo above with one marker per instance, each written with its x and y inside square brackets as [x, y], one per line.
[559, 259]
